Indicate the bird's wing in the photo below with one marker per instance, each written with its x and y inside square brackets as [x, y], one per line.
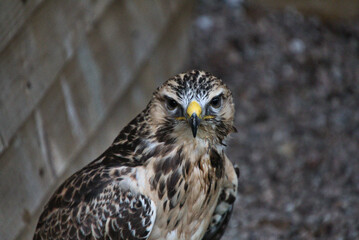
[93, 205]
[224, 208]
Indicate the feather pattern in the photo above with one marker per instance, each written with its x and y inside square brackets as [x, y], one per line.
[97, 203]
[156, 181]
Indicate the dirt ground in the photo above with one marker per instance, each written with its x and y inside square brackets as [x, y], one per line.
[295, 81]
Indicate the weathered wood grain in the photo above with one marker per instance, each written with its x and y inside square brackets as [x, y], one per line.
[32, 60]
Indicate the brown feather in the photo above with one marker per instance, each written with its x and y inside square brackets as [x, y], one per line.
[156, 181]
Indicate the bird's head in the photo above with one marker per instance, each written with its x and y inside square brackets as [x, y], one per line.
[192, 105]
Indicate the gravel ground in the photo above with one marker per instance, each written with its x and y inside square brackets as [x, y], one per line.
[295, 81]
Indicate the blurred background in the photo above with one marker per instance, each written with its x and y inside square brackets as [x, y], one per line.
[73, 73]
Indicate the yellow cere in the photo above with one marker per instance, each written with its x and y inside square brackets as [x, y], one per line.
[194, 107]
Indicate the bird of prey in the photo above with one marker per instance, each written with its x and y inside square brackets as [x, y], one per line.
[165, 176]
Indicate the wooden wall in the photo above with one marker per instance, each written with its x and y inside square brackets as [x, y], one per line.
[72, 74]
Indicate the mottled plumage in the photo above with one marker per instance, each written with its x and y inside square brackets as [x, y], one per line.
[165, 176]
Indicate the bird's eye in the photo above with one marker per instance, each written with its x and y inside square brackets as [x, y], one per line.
[216, 102]
[171, 104]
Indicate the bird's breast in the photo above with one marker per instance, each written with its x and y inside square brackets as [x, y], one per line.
[186, 195]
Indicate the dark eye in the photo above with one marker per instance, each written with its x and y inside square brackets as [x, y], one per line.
[216, 102]
[171, 104]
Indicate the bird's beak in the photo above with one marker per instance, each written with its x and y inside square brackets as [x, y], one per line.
[194, 111]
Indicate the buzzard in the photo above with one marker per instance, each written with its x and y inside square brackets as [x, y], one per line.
[165, 176]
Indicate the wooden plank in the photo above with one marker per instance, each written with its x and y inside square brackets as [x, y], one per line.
[25, 179]
[31, 62]
[60, 133]
[122, 39]
[13, 14]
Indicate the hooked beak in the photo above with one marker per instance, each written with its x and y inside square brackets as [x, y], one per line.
[194, 122]
[194, 111]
